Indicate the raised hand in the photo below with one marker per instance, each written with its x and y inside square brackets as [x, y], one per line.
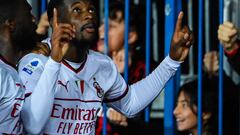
[227, 35]
[181, 41]
[43, 24]
[211, 63]
[62, 34]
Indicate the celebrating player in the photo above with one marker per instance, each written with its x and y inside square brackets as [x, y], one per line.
[68, 88]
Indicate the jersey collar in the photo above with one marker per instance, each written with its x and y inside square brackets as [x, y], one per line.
[64, 62]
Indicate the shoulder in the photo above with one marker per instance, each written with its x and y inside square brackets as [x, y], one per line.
[99, 56]
[7, 72]
[100, 59]
[31, 62]
[102, 63]
[7, 77]
[4, 73]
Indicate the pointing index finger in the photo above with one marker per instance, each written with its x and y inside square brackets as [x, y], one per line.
[179, 21]
[55, 19]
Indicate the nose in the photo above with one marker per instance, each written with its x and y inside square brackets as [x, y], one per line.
[176, 111]
[88, 16]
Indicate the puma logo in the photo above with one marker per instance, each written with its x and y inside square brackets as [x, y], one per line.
[64, 85]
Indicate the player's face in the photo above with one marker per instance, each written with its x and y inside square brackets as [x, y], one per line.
[115, 34]
[186, 119]
[82, 14]
[24, 35]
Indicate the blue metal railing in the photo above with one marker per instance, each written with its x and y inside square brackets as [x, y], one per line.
[126, 39]
[106, 13]
[172, 8]
[220, 83]
[43, 6]
[200, 58]
[148, 47]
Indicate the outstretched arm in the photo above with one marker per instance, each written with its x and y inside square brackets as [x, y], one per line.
[145, 91]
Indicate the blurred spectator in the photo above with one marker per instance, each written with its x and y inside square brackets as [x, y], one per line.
[231, 95]
[228, 35]
[136, 63]
[186, 108]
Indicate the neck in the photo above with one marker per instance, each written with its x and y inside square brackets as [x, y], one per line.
[9, 53]
[77, 52]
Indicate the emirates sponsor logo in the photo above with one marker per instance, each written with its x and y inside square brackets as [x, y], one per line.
[74, 120]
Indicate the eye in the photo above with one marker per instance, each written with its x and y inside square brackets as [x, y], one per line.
[76, 10]
[91, 10]
[185, 105]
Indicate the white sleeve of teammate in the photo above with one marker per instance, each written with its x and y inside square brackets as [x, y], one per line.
[37, 107]
[143, 92]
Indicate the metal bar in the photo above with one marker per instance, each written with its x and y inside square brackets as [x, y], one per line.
[43, 6]
[207, 26]
[190, 24]
[200, 39]
[106, 12]
[148, 43]
[220, 83]
[126, 39]
[155, 32]
[170, 89]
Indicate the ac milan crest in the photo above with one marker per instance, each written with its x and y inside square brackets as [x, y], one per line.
[100, 91]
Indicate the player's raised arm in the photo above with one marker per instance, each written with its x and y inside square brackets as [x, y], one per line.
[143, 92]
[40, 74]
[62, 34]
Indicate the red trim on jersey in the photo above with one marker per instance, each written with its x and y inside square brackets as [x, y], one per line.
[71, 99]
[73, 69]
[20, 85]
[28, 94]
[6, 62]
[118, 98]
[19, 98]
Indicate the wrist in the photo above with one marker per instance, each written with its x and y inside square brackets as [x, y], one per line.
[55, 57]
[233, 50]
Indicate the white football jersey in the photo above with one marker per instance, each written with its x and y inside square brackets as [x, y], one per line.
[79, 92]
[11, 99]
[66, 97]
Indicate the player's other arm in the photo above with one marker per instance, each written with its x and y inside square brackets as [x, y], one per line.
[145, 91]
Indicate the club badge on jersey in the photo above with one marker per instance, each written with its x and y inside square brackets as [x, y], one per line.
[96, 85]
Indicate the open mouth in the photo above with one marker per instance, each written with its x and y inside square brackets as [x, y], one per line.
[179, 121]
[89, 27]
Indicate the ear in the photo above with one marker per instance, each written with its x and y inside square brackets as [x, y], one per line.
[206, 116]
[132, 37]
[11, 24]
